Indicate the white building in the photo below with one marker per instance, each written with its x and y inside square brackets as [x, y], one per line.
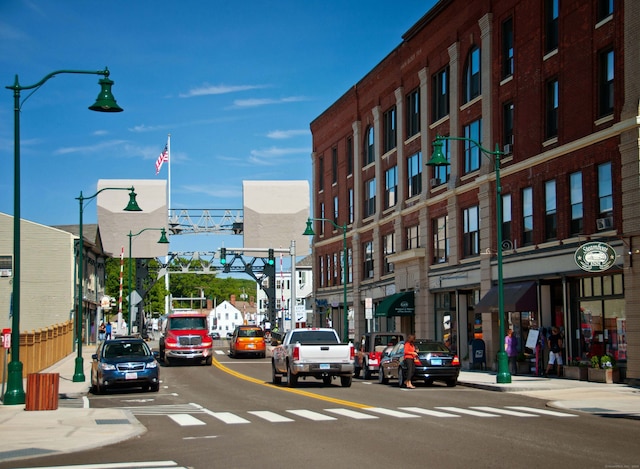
[224, 318]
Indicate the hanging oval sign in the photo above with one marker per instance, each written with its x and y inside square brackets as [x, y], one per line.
[595, 256]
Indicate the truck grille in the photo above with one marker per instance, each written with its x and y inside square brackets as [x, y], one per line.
[187, 340]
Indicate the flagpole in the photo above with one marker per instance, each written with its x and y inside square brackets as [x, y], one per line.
[166, 259]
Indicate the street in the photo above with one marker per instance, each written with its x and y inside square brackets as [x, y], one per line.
[230, 415]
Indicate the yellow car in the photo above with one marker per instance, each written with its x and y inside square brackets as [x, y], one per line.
[247, 340]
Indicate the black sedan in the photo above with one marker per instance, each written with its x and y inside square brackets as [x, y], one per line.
[124, 362]
[436, 363]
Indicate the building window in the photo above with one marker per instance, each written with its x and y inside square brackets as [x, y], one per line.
[322, 215]
[441, 94]
[370, 197]
[527, 216]
[551, 24]
[471, 231]
[506, 217]
[369, 147]
[367, 250]
[440, 240]
[605, 83]
[605, 9]
[390, 187]
[390, 123]
[350, 263]
[350, 206]
[335, 209]
[389, 245]
[575, 194]
[321, 269]
[413, 113]
[471, 79]
[414, 172]
[551, 218]
[413, 237]
[349, 155]
[507, 123]
[472, 131]
[334, 165]
[441, 173]
[507, 48]
[552, 109]
[605, 190]
[321, 174]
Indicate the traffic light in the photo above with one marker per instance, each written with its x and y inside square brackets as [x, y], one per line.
[223, 256]
[272, 259]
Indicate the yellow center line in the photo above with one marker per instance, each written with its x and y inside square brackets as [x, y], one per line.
[300, 392]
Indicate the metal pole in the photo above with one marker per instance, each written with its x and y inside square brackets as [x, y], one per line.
[78, 375]
[129, 307]
[503, 375]
[344, 283]
[294, 284]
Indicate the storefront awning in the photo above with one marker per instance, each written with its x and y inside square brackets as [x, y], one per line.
[399, 304]
[517, 297]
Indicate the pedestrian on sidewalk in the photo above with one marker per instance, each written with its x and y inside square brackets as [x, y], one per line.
[107, 329]
[511, 347]
[102, 330]
[555, 344]
[410, 355]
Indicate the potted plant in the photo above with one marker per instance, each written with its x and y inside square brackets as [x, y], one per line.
[576, 369]
[603, 370]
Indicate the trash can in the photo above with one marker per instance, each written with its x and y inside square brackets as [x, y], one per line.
[42, 391]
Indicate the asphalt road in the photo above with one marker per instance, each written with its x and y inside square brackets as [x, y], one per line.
[229, 415]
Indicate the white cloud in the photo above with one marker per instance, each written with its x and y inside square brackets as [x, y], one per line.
[284, 134]
[89, 148]
[266, 101]
[218, 89]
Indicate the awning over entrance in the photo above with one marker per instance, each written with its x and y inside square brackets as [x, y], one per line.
[399, 304]
[517, 297]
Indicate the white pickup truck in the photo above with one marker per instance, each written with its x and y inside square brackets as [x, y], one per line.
[315, 352]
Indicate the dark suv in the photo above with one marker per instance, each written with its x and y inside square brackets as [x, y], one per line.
[124, 363]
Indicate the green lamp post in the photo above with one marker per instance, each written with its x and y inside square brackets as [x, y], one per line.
[438, 159]
[132, 206]
[104, 103]
[309, 232]
[163, 240]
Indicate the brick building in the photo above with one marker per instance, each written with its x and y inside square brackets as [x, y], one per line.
[553, 87]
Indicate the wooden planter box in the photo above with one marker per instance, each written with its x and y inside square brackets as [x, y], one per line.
[607, 375]
[576, 372]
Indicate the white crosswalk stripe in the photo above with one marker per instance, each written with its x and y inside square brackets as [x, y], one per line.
[124, 465]
[183, 414]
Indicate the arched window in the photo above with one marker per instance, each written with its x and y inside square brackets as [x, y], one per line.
[471, 81]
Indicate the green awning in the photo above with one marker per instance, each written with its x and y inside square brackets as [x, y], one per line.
[399, 304]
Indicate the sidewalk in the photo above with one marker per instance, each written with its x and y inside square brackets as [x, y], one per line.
[27, 434]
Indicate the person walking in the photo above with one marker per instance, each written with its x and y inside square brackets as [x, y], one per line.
[410, 355]
[107, 331]
[102, 330]
[555, 345]
[511, 347]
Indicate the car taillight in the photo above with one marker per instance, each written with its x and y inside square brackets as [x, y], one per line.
[372, 355]
[455, 361]
[352, 352]
[296, 353]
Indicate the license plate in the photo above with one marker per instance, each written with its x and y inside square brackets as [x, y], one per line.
[436, 362]
[251, 345]
[131, 376]
[324, 366]
[373, 362]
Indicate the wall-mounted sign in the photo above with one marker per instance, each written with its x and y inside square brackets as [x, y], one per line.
[595, 256]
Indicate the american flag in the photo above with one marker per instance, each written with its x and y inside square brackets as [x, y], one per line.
[164, 156]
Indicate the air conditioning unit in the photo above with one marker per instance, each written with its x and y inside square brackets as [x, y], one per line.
[435, 182]
[604, 223]
[508, 149]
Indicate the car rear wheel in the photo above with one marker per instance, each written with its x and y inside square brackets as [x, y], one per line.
[381, 377]
[292, 380]
[345, 381]
[451, 382]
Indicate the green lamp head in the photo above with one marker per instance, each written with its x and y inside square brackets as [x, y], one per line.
[438, 158]
[309, 231]
[163, 237]
[132, 206]
[105, 101]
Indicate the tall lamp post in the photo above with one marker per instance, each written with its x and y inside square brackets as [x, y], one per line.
[438, 159]
[163, 240]
[132, 206]
[309, 232]
[104, 103]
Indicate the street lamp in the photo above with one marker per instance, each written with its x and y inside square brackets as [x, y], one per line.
[104, 103]
[163, 240]
[309, 232]
[132, 206]
[438, 159]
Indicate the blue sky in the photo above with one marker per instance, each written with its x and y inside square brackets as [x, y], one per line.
[236, 84]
